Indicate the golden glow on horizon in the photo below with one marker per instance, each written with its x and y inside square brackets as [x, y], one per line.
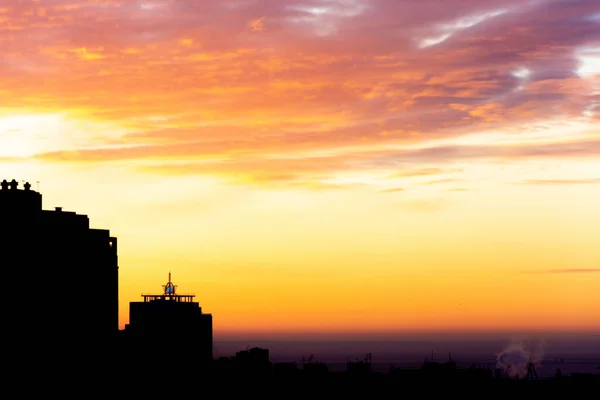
[304, 169]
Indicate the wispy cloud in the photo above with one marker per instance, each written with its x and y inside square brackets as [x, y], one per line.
[12, 159]
[561, 181]
[441, 181]
[238, 160]
[417, 172]
[284, 78]
[392, 190]
[570, 271]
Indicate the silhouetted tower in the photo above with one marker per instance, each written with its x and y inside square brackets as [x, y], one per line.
[67, 274]
[531, 373]
[171, 319]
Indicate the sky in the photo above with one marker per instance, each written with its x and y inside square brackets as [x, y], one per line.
[319, 166]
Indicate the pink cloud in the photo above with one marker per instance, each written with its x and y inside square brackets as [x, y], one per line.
[226, 89]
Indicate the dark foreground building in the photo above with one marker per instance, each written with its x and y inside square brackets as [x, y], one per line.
[171, 324]
[62, 296]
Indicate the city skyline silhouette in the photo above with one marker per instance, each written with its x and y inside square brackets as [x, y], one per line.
[379, 186]
[173, 320]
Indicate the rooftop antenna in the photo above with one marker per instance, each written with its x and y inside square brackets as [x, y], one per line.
[37, 186]
[169, 287]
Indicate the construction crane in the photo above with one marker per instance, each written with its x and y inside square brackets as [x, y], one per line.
[531, 373]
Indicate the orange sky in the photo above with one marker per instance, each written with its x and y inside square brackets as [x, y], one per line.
[322, 165]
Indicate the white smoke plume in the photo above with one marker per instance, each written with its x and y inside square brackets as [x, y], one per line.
[515, 358]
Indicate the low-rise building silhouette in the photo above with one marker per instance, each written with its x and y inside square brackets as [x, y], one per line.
[255, 359]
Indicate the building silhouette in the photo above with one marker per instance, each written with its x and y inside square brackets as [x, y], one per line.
[61, 324]
[172, 321]
[63, 288]
[255, 359]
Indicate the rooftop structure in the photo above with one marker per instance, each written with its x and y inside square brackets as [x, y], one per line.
[169, 294]
[15, 200]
